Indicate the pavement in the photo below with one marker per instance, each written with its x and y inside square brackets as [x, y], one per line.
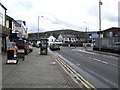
[4, 57]
[36, 71]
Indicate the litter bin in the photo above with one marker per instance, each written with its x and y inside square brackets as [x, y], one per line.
[43, 46]
[11, 53]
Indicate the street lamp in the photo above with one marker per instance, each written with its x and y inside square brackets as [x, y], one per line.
[87, 26]
[100, 3]
[86, 29]
[38, 27]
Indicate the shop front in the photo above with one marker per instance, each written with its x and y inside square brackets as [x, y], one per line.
[5, 34]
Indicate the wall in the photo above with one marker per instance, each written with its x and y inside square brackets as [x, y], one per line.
[2, 16]
[21, 29]
[3, 30]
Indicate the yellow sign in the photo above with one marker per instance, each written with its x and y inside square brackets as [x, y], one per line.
[10, 48]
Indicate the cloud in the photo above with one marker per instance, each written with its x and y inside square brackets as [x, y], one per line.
[59, 14]
[111, 18]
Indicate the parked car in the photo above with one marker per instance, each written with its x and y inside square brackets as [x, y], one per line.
[21, 49]
[22, 44]
[54, 47]
[115, 47]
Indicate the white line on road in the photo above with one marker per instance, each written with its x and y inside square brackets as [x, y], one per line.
[80, 54]
[111, 57]
[90, 57]
[84, 51]
[100, 61]
[115, 65]
[103, 61]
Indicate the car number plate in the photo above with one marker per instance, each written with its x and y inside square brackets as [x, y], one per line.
[11, 61]
[20, 51]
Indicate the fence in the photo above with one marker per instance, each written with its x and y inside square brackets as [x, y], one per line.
[107, 44]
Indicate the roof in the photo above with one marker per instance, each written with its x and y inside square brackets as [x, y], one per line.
[51, 37]
[92, 32]
[112, 28]
[19, 22]
[9, 18]
[67, 36]
[3, 6]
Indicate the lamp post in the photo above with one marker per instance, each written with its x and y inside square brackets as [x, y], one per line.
[86, 29]
[38, 34]
[100, 3]
[87, 26]
[38, 27]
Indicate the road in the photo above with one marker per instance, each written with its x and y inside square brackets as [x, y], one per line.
[100, 70]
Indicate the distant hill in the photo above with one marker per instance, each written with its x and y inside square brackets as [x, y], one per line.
[56, 33]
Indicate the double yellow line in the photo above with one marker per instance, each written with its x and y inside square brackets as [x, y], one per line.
[78, 76]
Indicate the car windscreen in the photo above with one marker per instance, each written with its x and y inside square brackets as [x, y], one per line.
[9, 44]
[20, 44]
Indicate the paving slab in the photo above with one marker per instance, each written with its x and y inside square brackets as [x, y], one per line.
[38, 71]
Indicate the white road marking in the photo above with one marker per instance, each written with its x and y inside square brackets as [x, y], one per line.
[90, 57]
[103, 62]
[100, 61]
[83, 51]
[113, 57]
[80, 54]
[115, 65]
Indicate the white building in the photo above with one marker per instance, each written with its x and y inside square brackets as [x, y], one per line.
[21, 29]
[3, 31]
[11, 25]
[60, 38]
[51, 39]
[67, 38]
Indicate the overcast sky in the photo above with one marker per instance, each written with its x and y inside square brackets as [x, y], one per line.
[63, 14]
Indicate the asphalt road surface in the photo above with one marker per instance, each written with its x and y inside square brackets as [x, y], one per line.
[100, 70]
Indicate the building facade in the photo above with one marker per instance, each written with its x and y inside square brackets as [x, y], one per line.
[92, 36]
[11, 25]
[4, 33]
[111, 32]
[21, 30]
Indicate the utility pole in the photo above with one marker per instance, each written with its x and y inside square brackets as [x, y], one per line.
[100, 3]
[86, 35]
[38, 28]
[38, 32]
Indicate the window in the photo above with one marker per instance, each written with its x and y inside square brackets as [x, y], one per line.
[2, 16]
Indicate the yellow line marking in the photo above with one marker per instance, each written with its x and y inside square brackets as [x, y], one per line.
[83, 81]
[79, 77]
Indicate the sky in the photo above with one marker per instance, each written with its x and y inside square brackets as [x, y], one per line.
[63, 14]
